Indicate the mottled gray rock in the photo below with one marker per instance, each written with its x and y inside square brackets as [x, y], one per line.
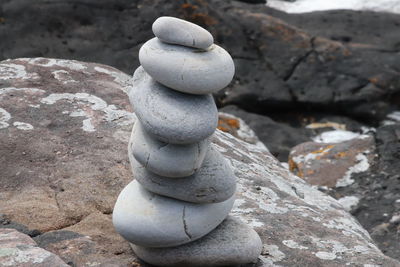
[231, 243]
[60, 176]
[186, 69]
[19, 250]
[171, 116]
[151, 220]
[213, 182]
[165, 159]
[181, 32]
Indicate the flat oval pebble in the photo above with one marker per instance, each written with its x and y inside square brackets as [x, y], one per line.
[213, 182]
[151, 220]
[231, 243]
[165, 159]
[181, 32]
[186, 69]
[171, 116]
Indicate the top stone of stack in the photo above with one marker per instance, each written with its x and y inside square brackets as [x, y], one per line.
[183, 57]
[177, 31]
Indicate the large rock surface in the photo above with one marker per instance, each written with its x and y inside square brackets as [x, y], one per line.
[363, 174]
[313, 64]
[19, 250]
[65, 130]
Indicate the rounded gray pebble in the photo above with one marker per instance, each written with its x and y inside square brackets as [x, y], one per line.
[186, 69]
[165, 159]
[171, 116]
[231, 243]
[213, 182]
[151, 220]
[177, 31]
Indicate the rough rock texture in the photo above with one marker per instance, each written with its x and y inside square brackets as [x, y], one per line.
[59, 176]
[65, 162]
[19, 250]
[332, 164]
[278, 66]
[364, 176]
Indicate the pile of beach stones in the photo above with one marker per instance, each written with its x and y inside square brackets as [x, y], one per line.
[175, 212]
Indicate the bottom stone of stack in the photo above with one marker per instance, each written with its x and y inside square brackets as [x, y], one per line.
[231, 243]
[151, 220]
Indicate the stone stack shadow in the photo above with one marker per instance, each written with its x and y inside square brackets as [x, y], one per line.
[175, 212]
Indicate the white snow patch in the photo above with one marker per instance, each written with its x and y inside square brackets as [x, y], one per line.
[395, 218]
[293, 244]
[8, 90]
[304, 6]
[50, 62]
[4, 118]
[362, 165]
[323, 255]
[119, 76]
[274, 255]
[348, 202]
[112, 114]
[392, 118]
[63, 76]
[23, 126]
[337, 136]
[12, 71]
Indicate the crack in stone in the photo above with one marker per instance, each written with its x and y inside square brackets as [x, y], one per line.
[300, 60]
[185, 228]
[147, 161]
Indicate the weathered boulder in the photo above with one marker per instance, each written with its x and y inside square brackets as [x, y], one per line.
[62, 174]
[19, 250]
[314, 64]
[332, 164]
[363, 174]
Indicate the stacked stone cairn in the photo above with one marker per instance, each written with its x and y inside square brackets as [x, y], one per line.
[175, 212]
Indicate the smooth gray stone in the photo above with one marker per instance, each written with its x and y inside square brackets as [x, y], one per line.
[213, 182]
[231, 243]
[181, 32]
[186, 69]
[171, 116]
[151, 220]
[165, 159]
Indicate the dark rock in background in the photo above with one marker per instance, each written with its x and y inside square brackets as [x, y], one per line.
[279, 138]
[279, 66]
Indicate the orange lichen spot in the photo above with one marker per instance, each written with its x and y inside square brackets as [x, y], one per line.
[222, 128]
[228, 124]
[341, 154]
[294, 168]
[373, 80]
[317, 125]
[322, 150]
[233, 123]
[189, 6]
[310, 172]
[346, 52]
